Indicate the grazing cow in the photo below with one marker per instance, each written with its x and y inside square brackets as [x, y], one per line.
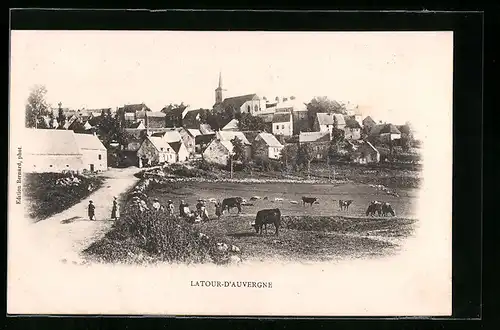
[229, 203]
[278, 199]
[265, 217]
[254, 198]
[344, 205]
[309, 200]
[374, 207]
[387, 209]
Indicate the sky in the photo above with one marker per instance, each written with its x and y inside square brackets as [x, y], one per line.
[392, 76]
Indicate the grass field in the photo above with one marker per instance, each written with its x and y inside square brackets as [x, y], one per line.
[320, 232]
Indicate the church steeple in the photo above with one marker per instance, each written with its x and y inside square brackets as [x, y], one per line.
[218, 91]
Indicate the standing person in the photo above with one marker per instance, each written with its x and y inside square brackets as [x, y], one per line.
[181, 208]
[170, 207]
[218, 209]
[91, 210]
[115, 212]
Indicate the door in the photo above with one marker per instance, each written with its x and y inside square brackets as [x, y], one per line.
[91, 167]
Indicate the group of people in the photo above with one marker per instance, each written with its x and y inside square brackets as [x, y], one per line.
[201, 212]
[115, 210]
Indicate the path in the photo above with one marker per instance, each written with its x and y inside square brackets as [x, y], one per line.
[67, 233]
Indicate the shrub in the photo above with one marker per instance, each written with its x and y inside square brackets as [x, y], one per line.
[47, 197]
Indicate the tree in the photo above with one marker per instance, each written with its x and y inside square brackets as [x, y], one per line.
[289, 154]
[247, 122]
[173, 114]
[338, 136]
[305, 155]
[238, 149]
[36, 106]
[61, 118]
[323, 105]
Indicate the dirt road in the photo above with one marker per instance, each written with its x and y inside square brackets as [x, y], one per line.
[67, 233]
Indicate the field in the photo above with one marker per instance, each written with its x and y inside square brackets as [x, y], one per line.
[320, 232]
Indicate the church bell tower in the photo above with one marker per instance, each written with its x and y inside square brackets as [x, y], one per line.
[218, 91]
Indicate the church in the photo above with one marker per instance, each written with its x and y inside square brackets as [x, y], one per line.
[249, 103]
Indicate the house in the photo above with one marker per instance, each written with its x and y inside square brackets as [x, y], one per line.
[389, 133]
[156, 151]
[339, 121]
[231, 126]
[352, 129]
[365, 153]
[205, 129]
[169, 135]
[93, 151]
[326, 122]
[153, 119]
[59, 150]
[250, 103]
[219, 149]
[368, 123]
[188, 139]
[127, 113]
[282, 124]
[266, 146]
[320, 142]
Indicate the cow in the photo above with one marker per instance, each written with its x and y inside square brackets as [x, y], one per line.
[265, 217]
[387, 209]
[229, 203]
[374, 207]
[344, 205]
[309, 200]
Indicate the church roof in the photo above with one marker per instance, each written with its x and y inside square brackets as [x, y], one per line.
[237, 101]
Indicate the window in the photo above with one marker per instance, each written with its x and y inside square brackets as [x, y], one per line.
[256, 108]
[161, 149]
[277, 126]
[99, 157]
[50, 165]
[282, 126]
[248, 108]
[67, 165]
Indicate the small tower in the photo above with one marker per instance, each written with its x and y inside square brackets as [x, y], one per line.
[218, 91]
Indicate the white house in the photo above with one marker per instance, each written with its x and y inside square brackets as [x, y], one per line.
[94, 153]
[51, 150]
[266, 145]
[282, 124]
[156, 150]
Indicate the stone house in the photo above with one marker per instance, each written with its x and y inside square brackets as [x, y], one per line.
[266, 146]
[151, 119]
[156, 151]
[188, 138]
[352, 129]
[365, 153]
[221, 147]
[320, 142]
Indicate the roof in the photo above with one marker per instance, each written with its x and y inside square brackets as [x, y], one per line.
[281, 117]
[375, 130]
[389, 128]
[324, 118]
[159, 143]
[137, 125]
[170, 136]
[368, 121]
[176, 146]
[339, 119]
[89, 142]
[205, 129]
[237, 101]
[314, 137]
[194, 132]
[351, 122]
[151, 114]
[251, 135]
[229, 135]
[229, 146]
[51, 142]
[269, 139]
[231, 126]
[127, 108]
[192, 118]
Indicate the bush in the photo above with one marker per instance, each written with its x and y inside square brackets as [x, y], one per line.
[47, 197]
[265, 165]
[156, 236]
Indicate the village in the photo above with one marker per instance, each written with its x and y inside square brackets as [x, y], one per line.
[309, 164]
[134, 135]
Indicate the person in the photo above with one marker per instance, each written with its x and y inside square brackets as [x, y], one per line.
[156, 204]
[170, 207]
[218, 209]
[115, 212]
[182, 205]
[91, 210]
